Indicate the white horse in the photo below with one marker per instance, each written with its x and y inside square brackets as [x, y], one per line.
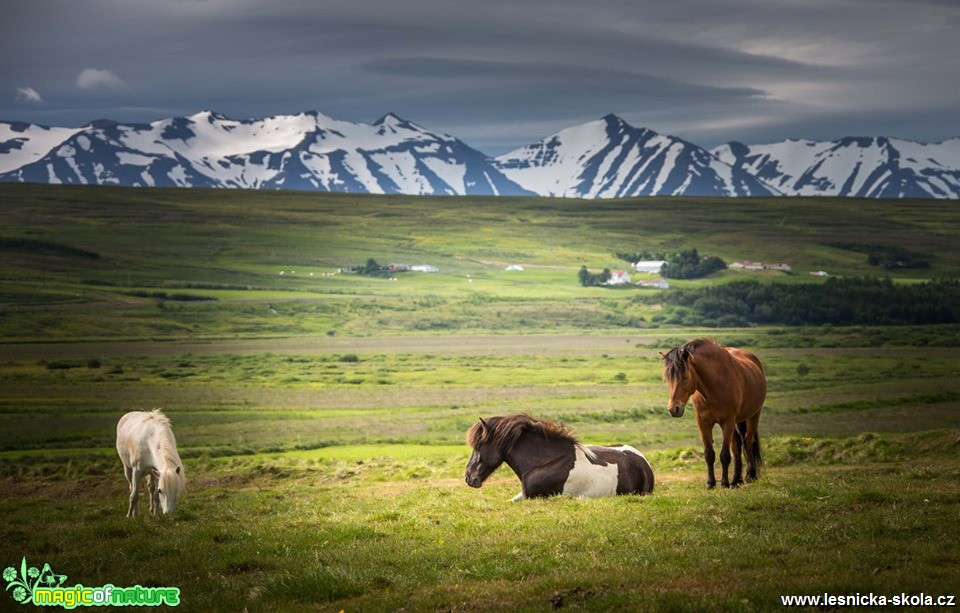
[148, 448]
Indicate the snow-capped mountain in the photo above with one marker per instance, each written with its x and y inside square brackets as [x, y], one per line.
[22, 143]
[606, 158]
[609, 158]
[863, 167]
[306, 151]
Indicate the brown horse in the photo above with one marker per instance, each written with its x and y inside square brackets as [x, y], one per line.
[728, 387]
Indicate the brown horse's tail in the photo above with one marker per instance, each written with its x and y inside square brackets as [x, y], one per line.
[755, 450]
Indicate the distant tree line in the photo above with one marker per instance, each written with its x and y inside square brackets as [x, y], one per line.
[689, 265]
[886, 256]
[589, 279]
[838, 301]
[686, 264]
[372, 269]
[38, 246]
[635, 256]
[181, 297]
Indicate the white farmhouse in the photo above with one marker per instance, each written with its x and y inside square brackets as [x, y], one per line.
[618, 277]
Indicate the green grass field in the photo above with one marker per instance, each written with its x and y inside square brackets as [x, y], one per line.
[321, 418]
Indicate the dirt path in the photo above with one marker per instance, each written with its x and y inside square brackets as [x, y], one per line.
[513, 344]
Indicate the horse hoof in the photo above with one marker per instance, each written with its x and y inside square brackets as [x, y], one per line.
[711, 485]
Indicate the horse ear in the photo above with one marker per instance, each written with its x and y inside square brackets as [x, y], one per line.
[483, 424]
[663, 355]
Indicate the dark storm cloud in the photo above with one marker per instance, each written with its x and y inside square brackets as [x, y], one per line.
[558, 76]
[496, 73]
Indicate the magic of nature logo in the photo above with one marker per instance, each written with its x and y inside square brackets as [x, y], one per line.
[45, 588]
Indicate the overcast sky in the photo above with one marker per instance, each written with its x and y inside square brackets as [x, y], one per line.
[496, 73]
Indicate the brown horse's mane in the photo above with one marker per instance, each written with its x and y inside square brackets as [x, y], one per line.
[504, 430]
[675, 360]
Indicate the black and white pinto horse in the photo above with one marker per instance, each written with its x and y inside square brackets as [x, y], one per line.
[550, 460]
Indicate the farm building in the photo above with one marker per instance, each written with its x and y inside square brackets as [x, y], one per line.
[650, 267]
[424, 268]
[618, 277]
[655, 283]
[745, 265]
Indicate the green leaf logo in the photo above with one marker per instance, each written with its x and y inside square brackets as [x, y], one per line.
[27, 580]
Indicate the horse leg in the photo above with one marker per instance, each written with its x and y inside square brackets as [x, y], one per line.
[153, 486]
[737, 452]
[706, 435]
[518, 497]
[749, 441]
[729, 428]
[135, 477]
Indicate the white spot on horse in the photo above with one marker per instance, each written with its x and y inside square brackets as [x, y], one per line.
[590, 480]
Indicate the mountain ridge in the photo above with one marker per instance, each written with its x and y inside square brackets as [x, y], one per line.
[603, 158]
[864, 166]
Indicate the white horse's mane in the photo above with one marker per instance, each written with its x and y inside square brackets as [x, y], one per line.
[158, 416]
[167, 446]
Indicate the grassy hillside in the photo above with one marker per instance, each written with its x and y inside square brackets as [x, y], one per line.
[131, 263]
[321, 418]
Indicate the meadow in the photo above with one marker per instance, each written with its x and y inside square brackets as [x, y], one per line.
[321, 416]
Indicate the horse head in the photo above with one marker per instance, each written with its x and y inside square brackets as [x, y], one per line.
[680, 378]
[487, 456]
[169, 486]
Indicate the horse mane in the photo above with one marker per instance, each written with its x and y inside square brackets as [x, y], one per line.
[167, 446]
[503, 431]
[675, 360]
[158, 416]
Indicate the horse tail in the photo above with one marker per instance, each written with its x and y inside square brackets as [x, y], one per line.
[742, 430]
[755, 448]
[757, 456]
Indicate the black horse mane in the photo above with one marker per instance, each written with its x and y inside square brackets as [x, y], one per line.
[675, 360]
[504, 430]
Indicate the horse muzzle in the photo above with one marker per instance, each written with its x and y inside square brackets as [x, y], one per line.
[473, 481]
[677, 411]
